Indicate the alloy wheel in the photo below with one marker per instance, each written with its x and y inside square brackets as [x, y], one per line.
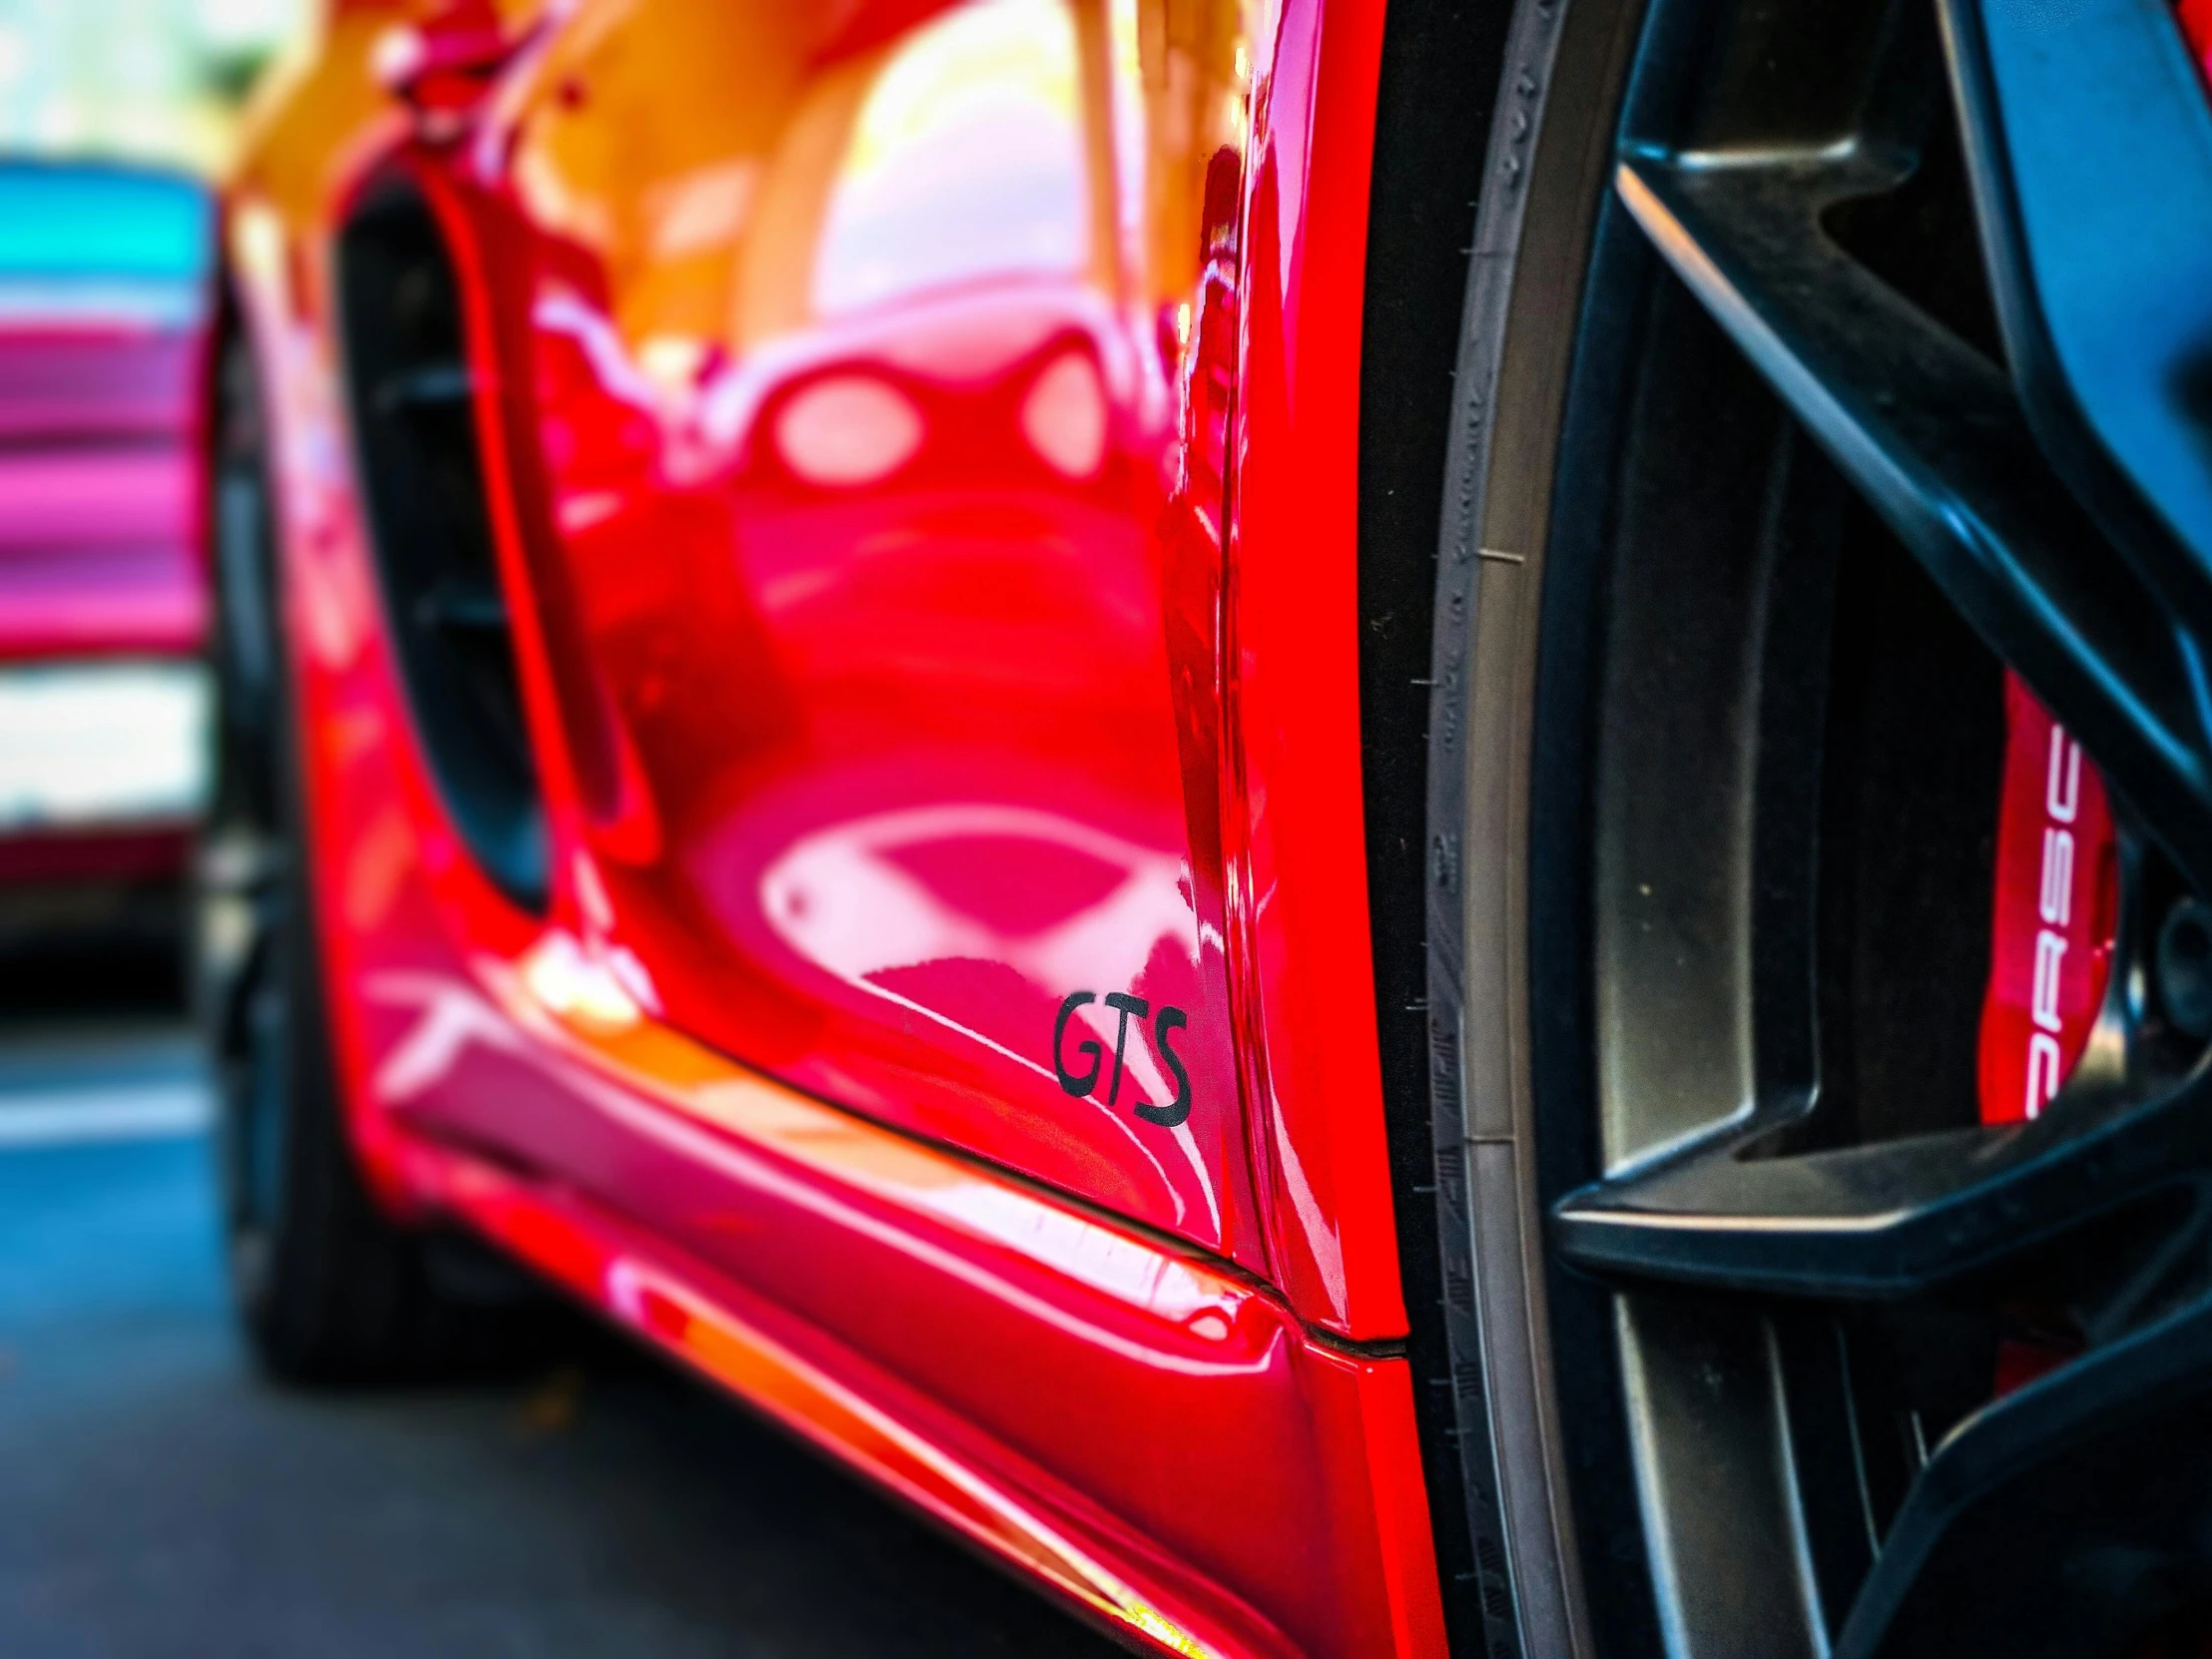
[1880, 406]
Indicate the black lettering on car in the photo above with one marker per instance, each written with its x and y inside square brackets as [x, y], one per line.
[1169, 1116]
[1076, 1084]
[1126, 1005]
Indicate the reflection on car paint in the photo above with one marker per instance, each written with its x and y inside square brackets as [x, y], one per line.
[1168, 1336]
[918, 908]
[729, 649]
[857, 442]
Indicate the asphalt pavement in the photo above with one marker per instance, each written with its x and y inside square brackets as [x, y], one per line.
[158, 1498]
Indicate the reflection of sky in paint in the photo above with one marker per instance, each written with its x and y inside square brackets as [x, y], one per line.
[149, 79]
[966, 161]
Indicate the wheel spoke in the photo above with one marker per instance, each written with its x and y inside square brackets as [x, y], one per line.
[2090, 147]
[239, 902]
[1889, 1218]
[1931, 432]
[2061, 1514]
[240, 862]
[1988, 304]
[1899, 1216]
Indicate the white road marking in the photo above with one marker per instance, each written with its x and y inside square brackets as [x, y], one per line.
[162, 1110]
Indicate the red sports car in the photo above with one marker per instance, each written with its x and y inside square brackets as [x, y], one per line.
[1383, 826]
[104, 306]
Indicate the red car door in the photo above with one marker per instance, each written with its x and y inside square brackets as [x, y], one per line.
[888, 618]
[752, 486]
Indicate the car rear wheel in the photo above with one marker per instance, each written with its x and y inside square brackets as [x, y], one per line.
[1789, 482]
[327, 1288]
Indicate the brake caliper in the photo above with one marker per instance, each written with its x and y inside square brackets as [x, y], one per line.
[2196, 28]
[2056, 912]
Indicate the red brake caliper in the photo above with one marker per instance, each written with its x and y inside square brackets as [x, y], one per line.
[2056, 910]
[2050, 939]
[2196, 26]
[2051, 932]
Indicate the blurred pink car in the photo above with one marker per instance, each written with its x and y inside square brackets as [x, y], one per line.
[104, 305]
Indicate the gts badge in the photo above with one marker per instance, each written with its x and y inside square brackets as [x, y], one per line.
[1085, 1082]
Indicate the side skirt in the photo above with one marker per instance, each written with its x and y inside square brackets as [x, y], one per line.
[1137, 1428]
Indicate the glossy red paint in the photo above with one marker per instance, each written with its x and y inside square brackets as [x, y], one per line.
[1105, 1398]
[2196, 28]
[877, 770]
[1299, 886]
[889, 684]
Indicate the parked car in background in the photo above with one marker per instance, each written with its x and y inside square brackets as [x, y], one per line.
[104, 284]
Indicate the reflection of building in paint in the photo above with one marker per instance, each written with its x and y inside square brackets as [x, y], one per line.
[857, 397]
[847, 429]
[965, 163]
[159, 80]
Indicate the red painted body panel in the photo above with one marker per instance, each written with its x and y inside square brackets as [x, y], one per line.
[1159, 1408]
[1301, 916]
[890, 682]
[889, 767]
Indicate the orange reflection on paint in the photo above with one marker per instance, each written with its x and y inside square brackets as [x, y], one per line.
[587, 1254]
[561, 992]
[856, 409]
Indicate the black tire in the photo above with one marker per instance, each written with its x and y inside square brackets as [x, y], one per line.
[1449, 656]
[1518, 1473]
[327, 1289]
